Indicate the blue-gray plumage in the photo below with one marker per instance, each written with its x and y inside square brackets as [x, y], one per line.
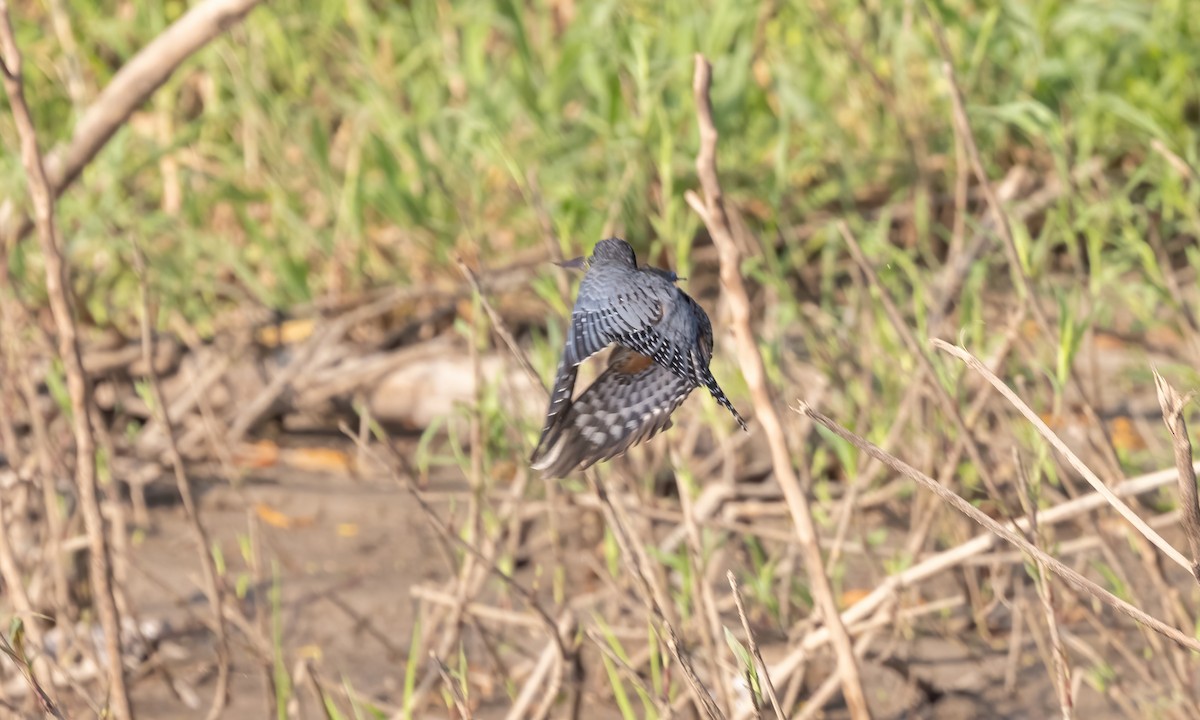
[664, 346]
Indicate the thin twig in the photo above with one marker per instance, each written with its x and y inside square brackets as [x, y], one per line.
[968, 136]
[949, 407]
[655, 599]
[708, 616]
[712, 211]
[212, 583]
[1117, 503]
[754, 651]
[1005, 532]
[48, 706]
[887, 590]
[1061, 664]
[125, 93]
[460, 702]
[59, 292]
[1189, 506]
[499, 326]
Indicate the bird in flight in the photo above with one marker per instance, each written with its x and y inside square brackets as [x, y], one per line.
[664, 344]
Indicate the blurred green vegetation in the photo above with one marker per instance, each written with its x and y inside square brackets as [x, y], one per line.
[335, 145]
[329, 147]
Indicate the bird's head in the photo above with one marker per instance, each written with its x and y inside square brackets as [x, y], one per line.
[668, 275]
[579, 263]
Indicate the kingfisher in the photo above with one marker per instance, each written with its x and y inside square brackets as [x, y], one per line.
[664, 345]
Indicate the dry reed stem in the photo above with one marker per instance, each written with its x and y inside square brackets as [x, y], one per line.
[948, 406]
[1172, 409]
[48, 706]
[963, 124]
[212, 582]
[1174, 160]
[1045, 591]
[499, 326]
[948, 559]
[547, 660]
[637, 562]
[59, 292]
[460, 702]
[712, 212]
[124, 94]
[1005, 532]
[762, 670]
[709, 618]
[1119, 505]
[565, 653]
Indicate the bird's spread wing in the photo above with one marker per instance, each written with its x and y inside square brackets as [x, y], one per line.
[629, 403]
[611, 307]
[560, 400]
[611, 304]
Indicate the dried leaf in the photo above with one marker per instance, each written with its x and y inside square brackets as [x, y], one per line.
[281, 520]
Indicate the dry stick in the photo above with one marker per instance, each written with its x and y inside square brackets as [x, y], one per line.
[26, 671]
[1005, 532]
[713, 213]
[499, 325]
[828, 689]
[947, 559]
[654, 597]
[125, 93]
[38, 673]
[1003, 225]
[59, 292]
[1172, 409]
[709, 618]
[1116, 502]
[431, 516]
[548, 660]
[1061, 663]
[460, 702]
[212, 583]
[1001, 218]
[765, 675]
[910, 342]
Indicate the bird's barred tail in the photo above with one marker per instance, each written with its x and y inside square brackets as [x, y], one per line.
[710, 382]
[631, 402]
[560, 402]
